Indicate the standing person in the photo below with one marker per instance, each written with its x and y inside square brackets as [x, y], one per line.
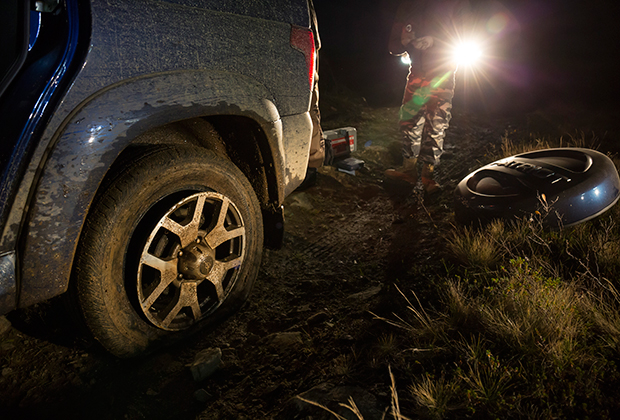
[426, 31]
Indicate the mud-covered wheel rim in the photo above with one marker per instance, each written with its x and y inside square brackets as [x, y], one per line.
[190, 261]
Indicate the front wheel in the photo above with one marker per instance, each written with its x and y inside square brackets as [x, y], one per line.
[174, 243]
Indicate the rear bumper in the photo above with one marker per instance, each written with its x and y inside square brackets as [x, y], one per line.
[296, 139]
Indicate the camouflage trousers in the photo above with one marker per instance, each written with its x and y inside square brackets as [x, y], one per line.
[425, 115]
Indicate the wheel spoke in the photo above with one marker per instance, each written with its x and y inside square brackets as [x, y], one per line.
[186, 233]
[223, 210]
[219, 234]
[187, 296]
[158, 263]
[168, 272]
[218, 273]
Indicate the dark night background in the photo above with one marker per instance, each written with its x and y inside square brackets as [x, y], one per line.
[550, 54]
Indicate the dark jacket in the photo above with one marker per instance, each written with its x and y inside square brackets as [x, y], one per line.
[447, 21]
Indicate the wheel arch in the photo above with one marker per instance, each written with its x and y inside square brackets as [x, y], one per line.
[236, 138]
[102, 128]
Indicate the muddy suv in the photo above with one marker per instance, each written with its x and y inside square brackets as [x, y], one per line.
[147, 147]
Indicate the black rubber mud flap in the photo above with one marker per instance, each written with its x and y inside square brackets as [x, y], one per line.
[273, 223]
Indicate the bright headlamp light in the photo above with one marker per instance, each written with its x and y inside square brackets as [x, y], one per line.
[467, 53]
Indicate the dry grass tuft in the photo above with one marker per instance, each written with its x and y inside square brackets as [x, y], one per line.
[486, 378]
[535, 313]
[435, 395]
[479, 249]
[394, 407]
[510, 148]
[426, 328]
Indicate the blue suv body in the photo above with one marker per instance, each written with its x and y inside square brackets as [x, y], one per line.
[147, 148]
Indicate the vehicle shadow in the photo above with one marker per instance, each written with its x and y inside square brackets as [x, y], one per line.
[52, 321]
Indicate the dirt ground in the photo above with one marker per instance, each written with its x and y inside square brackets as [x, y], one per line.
[309, 326]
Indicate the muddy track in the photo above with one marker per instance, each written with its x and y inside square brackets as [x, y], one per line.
[349, 240]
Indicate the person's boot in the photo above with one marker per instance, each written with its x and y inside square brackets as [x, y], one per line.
[408, 172]
[430, 185]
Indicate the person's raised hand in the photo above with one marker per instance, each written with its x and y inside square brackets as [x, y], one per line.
[423, 42]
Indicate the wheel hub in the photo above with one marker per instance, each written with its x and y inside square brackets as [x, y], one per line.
[196, 260]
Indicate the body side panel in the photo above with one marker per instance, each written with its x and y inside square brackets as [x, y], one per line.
[128, 43]
[98, 133]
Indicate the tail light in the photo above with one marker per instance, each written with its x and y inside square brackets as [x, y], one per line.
[302, 39]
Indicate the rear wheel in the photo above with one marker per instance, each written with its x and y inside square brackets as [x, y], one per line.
[174, 243]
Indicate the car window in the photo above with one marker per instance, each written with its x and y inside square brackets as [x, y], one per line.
[14, 36]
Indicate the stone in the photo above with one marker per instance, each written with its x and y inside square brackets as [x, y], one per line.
[206, 363]
[317, 318]
[202, 395]
[366, 294]
[284, 340]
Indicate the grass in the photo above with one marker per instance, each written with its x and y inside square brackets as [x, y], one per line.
[510, 147]
[526, 333]
[532, 322]
[528, 324]
[474, 250]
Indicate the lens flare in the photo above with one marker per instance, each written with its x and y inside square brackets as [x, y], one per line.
[497, 23]
[467, 53]
[405, 59]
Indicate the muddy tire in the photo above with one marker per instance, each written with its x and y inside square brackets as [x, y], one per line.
[172, 245]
